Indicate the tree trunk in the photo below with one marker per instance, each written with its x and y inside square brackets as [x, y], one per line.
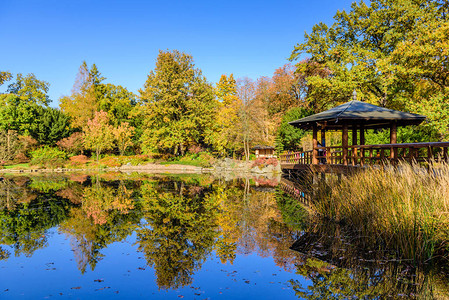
[181, 149]
[8, 150]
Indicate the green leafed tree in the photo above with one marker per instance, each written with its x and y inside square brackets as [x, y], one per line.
[177, 104]
[354, 52]
[20, 106]
[288, 137]
[30, 89]
[18, 114]
[51, 126]
[117, 101]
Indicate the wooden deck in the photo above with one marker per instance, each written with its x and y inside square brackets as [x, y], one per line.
[341, 159]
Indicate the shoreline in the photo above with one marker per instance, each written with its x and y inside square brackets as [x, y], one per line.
[223, 170]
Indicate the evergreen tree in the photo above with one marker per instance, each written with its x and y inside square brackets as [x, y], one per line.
[177, 104]
[51, 126]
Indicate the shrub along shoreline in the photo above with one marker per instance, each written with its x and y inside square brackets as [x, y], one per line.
[53, 161]
[403, 209]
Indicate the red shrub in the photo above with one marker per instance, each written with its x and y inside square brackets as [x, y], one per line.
[21, 158]
[73, 144]
[78, 160]
[262, 162]
[195, 149]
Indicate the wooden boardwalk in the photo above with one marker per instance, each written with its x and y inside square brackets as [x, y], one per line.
[339, 159]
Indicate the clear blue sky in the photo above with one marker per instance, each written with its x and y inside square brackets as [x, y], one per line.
[247, 38]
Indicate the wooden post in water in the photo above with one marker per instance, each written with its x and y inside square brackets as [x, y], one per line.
[354, 143]
[314, 145]
[393, 140]
[344, 142]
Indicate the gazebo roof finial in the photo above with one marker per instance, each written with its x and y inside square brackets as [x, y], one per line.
[354, 95]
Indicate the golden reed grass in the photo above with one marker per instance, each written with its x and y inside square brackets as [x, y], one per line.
[403, 208]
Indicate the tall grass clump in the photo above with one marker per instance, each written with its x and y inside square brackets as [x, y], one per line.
[404, 208]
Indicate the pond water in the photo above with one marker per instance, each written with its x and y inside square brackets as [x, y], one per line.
[194, 237]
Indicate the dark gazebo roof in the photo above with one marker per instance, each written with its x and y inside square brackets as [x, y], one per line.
[263, 147]
[358, 113]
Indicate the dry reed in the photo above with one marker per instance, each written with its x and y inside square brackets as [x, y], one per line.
[404, 208]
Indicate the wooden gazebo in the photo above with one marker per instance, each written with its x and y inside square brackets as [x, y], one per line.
[359, 116]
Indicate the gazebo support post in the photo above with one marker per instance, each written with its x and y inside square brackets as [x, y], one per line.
[323, 144]
[315, 145]
[354, 142]
[344, 142]
[362, 142]
[393, 140]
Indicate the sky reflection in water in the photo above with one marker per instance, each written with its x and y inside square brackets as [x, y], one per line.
[110, 236]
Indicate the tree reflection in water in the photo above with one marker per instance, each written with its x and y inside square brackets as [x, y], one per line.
[26, 215]
[180, 231]
[180, 222]
[106, 215]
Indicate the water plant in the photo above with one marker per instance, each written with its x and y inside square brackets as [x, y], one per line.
[403, 208]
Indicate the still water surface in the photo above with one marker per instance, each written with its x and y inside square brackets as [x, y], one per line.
[114, 236]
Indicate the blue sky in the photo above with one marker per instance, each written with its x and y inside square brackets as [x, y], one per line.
[123, 38]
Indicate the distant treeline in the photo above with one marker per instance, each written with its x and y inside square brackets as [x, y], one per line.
[393, 53]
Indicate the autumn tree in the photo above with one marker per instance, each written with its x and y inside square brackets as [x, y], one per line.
[72, 144]
[251, 116]
[82, 104]
[5, 76]
[285, 89]
[177, 104]
[123, 136]
[222, 134]
[30, 89]
[9, 145]
[98, 134]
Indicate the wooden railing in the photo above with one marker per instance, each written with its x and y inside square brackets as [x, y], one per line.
[371, 154]
[304, 158]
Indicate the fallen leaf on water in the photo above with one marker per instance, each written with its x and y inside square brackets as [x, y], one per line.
[180, 296]
[246, 281]
[98, 280]
[76, 288]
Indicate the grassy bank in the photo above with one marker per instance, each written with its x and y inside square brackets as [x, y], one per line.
[398, 208]
[48, 161]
